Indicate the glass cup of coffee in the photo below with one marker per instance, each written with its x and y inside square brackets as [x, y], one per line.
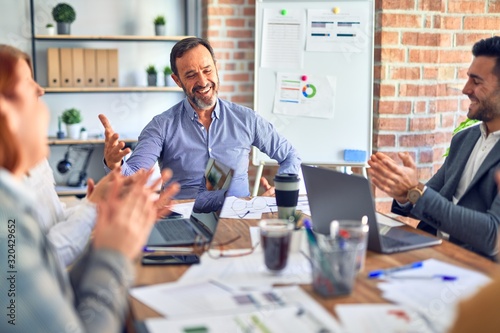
[275, 235]
[287, 194]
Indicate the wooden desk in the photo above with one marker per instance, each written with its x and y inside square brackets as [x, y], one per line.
[365, 290]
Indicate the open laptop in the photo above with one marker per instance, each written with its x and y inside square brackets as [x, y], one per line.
[334, 196]
[204, 219]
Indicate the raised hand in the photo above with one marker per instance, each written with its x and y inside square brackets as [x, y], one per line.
[125, 217]
[163, 204]
[114, 150]
[269, 191]
[391, 177]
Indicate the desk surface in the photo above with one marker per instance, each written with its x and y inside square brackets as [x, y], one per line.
[365, 290]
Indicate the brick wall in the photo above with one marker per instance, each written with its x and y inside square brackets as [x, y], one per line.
[422, 51]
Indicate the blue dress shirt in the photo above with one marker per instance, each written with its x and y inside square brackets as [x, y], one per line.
[177, 140]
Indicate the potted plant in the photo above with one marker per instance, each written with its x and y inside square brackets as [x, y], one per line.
[152, 75]
[159, 22]
[169, 81]
[84, 135]
[72, 118]
[51, 30]
[64, 15]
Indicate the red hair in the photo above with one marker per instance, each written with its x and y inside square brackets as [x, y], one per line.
[9, 146]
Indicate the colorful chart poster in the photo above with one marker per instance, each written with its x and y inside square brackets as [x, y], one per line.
[305, 95]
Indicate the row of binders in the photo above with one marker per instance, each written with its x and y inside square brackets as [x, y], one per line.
[79, 67]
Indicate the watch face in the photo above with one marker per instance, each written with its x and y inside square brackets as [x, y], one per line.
[413, 196]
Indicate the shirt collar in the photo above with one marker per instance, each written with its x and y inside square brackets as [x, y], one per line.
[482, 127]
[192, 113]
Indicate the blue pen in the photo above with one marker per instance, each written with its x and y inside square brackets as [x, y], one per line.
[426, 277]
[379, 272]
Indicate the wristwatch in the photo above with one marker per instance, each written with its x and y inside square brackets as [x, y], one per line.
[415, 193]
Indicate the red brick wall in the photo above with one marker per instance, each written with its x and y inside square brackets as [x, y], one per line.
[422, 51]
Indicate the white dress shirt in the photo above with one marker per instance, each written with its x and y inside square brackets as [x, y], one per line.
[68, 229]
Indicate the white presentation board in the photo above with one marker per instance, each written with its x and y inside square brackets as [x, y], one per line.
[314, 77]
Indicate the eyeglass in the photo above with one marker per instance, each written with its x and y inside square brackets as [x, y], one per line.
[216, 250]
[243, 207]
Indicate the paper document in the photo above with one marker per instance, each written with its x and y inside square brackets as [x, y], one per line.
[236, 208]
[249, 271]
[184, 208]
[434, 298]
[282, 39]
[380, 318]
[289, 310]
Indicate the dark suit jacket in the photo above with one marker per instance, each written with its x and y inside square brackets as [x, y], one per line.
[473, 221]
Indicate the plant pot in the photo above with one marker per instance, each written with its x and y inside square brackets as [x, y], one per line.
[73, 131]
[84, 135]
[169, 82]
[152, 80]
[159, 30]
[51, 31]
[63, 28]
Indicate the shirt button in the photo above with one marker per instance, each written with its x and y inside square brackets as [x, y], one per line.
[209, 150]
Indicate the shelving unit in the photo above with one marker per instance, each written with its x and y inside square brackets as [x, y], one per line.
[65, 142]
[40, 41]
[111, 89]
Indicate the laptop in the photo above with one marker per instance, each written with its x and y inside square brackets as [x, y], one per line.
[171, 232]
[335, 195]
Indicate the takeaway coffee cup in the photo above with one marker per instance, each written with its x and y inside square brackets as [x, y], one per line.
[287, 194]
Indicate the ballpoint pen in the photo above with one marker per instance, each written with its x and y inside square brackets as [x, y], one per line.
[424, 277]
[380, 272]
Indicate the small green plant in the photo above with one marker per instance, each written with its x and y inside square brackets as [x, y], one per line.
[464, 124]
[83, 129]
[159, 20]
[63, 12]
[167, 70]
[151, 70]
[71, 116]
[49, 25]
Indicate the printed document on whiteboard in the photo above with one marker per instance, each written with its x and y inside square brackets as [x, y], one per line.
[283, 39]
[305, 95]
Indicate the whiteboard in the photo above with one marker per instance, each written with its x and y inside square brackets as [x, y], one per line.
[339, 121]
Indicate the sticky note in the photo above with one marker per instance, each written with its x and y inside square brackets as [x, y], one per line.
[351, 155]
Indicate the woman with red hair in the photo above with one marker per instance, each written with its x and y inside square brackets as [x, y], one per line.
[37, 294]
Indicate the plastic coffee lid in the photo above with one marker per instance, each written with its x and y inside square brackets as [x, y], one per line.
[286, 177]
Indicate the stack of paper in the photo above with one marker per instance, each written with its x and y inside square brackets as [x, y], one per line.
[424, 290]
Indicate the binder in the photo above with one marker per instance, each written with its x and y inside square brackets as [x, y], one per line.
[53, 73]
[113, 67]
[89, 67]
[102, 67]
[66, 67]
[78, 72]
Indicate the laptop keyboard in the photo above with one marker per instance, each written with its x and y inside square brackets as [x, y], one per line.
[175, 230]
[389, 242]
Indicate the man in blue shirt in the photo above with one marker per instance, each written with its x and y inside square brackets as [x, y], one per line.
[201, 126]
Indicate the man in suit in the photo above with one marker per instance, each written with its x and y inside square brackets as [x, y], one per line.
[460, 201]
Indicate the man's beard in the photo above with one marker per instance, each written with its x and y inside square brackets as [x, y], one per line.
[488, 109]
[201, 103]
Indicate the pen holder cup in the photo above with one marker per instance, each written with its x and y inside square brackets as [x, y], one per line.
[333, 262]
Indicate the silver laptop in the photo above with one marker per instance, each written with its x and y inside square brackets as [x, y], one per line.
[202, 223]
[334, 195]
